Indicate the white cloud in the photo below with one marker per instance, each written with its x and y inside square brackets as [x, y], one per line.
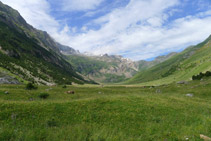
[80, 5]
[36, 13]
[122, 23]
[135, 31]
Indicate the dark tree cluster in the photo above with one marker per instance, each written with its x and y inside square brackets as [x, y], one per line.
[201, 75]
[31, 86]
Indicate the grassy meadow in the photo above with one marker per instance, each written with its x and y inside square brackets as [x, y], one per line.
[109, 113]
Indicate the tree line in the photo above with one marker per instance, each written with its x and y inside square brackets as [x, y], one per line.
[201, 75]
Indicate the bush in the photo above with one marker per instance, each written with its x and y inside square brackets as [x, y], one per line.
[64, 86]
[51, 123]
[201, 75]
[208, 73]
[31, 86]
[44, 95]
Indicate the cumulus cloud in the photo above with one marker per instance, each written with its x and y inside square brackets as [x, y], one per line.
[36, 13]
[139, 30]
[136, 31]
[80, 5]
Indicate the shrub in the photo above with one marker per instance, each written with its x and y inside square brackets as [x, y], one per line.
[31, 86]
[44, 95]
[208, 73]
[64, 86]
[51, 123]
[201, 75]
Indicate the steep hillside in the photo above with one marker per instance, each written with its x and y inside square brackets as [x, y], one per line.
[31, 54]
[143, 65]
[13, 19]
[182, 66]
[66, 50]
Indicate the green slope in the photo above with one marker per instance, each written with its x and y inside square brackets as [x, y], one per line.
[144, 65]
[24, 57]
[182, 66]
[28, 55]
[12, 18]
[85, 64]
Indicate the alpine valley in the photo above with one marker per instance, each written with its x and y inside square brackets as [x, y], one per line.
[53, 92]
[28, 54]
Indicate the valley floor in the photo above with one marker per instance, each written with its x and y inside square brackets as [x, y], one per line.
[168, 112]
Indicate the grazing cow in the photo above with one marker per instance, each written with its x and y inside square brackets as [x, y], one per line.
[70, 92]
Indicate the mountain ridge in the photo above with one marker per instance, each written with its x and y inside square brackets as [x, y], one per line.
[30, 53]
[110, 68]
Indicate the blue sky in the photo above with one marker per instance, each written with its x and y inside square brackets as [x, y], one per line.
[136, 29]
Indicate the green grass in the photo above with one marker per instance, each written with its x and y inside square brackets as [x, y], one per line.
[106, 113]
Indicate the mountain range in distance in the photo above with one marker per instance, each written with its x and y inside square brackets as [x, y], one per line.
[28, 54]
[110, 68]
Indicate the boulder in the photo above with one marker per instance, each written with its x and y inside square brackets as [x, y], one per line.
[189, 95]
[158, 91]
[182, 82]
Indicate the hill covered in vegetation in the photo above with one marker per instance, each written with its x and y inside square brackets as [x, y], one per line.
[181, 67]
[31, 54]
